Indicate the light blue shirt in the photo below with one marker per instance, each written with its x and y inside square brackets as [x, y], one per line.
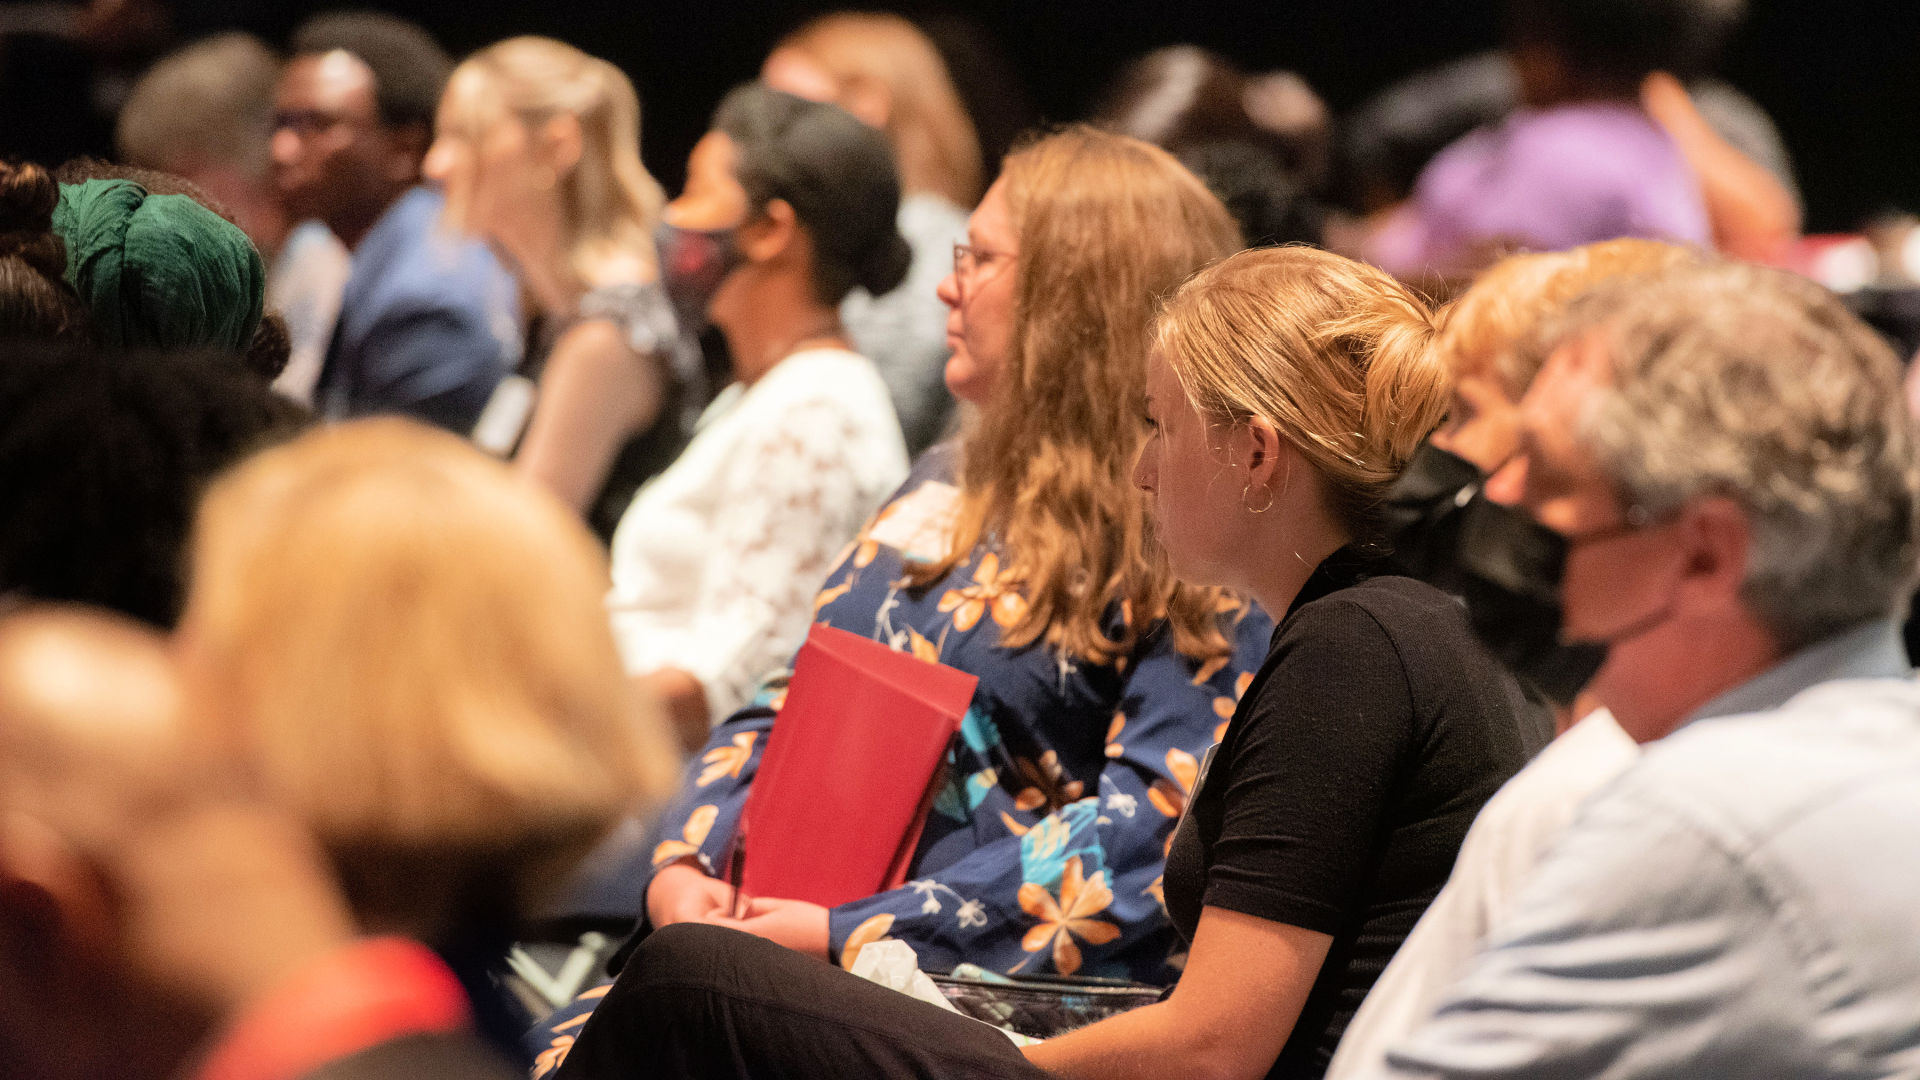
[1744, 902]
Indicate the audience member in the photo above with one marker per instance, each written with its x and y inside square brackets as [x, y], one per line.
[1286, 388]
[36, 303]
[205, 113]
[427, 325]
[455, 731]
[1058, 254]
[1258, 142]
[159, 271]
[102, 458]
[884, 70]
[158, 921]
[789, 204]
[1581, 162]
[539, 150]
[188, 264]
[1723, 476]
[1487, 339]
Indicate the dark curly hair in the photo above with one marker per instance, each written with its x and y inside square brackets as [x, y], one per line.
[36, 303]
[410, 69]
[102, 459]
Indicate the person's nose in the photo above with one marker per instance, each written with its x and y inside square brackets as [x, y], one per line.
[1146, 474]
[1508, 485]
[949, 290]
[286, 147]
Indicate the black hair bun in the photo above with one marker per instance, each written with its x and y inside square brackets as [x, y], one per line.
[886, 264]
[28, 197]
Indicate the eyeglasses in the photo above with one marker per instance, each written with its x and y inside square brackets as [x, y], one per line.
[307, 123]
[967, 258]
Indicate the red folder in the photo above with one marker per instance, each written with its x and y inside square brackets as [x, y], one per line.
[847, 779]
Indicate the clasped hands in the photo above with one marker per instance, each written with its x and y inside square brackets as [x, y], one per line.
[681, 892]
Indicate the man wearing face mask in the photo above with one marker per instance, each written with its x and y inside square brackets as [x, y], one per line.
[1724, 480]
[1488, 337]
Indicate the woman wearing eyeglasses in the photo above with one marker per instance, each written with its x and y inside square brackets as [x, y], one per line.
[1018, 554]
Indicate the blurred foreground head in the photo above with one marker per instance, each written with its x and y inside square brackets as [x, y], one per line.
[142, 898]
[403, 642]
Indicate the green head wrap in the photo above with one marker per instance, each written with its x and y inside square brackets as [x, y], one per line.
[159, 271]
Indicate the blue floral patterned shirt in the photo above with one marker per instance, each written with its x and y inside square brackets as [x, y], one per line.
[1043, 852]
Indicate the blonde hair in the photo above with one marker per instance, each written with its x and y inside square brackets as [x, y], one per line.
[1106, 225]
[1491, 328]
[932, 136]
[1335, 354]
[612, 202]
[405, 643]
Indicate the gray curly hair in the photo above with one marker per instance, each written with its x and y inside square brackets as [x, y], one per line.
[1760, 386]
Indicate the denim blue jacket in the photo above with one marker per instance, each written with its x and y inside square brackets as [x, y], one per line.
[429, 323]
[1744, 902]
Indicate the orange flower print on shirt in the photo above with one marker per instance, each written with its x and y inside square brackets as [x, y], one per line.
[922, 648]
[1115, 748]
[828, 596]
[990, 592]
[1224, 707]
[693, 833]
[874, 929]
[1070, 917]
[727, 760]
[1047, 784]
[1170, 796]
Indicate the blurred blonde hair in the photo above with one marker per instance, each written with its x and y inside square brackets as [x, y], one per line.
[932, 136]
[405, 643]
[1335, 354]
[1106, 225]
[1490, 329]
[612, 202]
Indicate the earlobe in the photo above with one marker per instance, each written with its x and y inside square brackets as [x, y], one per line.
[1263, 449]
[1720, 541]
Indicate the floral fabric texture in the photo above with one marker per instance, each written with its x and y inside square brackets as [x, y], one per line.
[1043, 851]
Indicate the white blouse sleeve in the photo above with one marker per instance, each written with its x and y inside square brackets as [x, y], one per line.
[795, 492]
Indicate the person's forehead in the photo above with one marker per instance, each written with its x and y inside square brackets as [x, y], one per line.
[992, 222]
[1573, 373]
[336, 81]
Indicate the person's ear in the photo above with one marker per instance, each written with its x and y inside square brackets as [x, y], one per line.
[771, 233]
[1717, 549]
[1258, 448]
[561, 143]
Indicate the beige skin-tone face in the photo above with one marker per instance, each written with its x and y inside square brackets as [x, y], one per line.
[484, 159]
[1666, 594]
[979, 295]
[1194, 488]
[332, 157]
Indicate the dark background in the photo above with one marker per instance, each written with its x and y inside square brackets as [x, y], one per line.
[1837, 75]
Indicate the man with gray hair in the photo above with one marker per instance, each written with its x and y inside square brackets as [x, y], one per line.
[1722, 483]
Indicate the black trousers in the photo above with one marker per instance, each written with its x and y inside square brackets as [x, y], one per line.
[704, 1001]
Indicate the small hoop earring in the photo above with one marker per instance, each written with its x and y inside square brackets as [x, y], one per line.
[1244, 492]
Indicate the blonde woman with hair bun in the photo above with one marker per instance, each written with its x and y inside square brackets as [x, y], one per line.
[538, 147]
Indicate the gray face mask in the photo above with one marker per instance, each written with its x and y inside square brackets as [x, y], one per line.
[693, 264]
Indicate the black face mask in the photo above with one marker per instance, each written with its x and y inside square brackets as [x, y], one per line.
[693, 263]
[1505, 566]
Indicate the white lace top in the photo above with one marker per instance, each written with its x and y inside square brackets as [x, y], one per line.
[716, 563]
